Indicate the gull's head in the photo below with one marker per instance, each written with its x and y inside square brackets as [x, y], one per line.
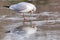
[29, 6]
[33, 8]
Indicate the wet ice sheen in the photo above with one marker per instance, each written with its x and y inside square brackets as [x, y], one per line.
[40, 34]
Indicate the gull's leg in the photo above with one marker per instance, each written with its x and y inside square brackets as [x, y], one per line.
[31, 20]
[24, 19]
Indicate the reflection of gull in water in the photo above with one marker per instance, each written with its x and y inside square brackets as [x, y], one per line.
[20, 33]
[25, 30]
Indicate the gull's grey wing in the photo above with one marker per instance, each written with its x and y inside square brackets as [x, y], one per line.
[18, 7]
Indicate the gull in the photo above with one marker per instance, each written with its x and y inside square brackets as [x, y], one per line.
[23, 7]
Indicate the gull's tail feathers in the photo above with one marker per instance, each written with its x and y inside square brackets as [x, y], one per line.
[6, 6]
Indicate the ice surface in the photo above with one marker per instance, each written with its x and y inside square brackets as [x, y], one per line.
[41, 34]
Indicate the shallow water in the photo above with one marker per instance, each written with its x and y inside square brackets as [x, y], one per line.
[48, 24]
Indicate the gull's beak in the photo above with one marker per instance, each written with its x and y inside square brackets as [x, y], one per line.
[31, 12]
